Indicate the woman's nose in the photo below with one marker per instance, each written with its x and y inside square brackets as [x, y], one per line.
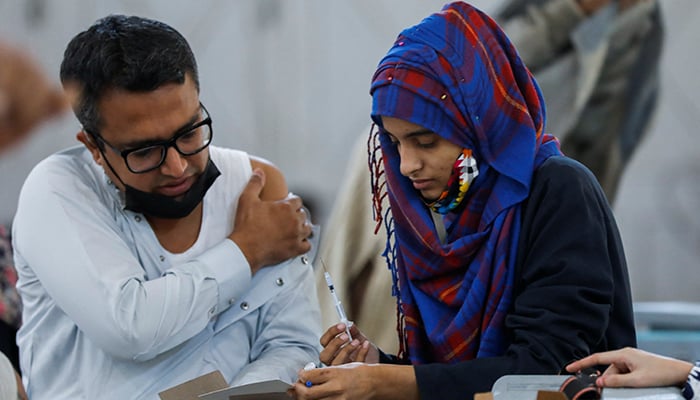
[410, 162]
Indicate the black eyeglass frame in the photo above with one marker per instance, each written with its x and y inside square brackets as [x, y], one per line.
[166, 144]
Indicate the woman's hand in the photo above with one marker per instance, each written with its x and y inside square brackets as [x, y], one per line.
[346, 381]
[356, 381]
[631, 367]
[337, 349]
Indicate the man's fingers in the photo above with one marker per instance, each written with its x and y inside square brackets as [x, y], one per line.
[305, 217]
[306, 230]
[255, 185]
[295, 203]
[281, 224]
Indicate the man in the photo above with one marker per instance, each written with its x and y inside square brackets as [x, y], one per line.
[147, 257]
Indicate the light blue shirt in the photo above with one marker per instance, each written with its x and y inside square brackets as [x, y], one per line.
[110, 314]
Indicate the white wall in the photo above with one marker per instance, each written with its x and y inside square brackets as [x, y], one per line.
[658, 207]
[288, 80]
[285, 80]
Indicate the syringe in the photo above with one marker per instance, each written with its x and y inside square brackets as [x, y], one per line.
[338, 304]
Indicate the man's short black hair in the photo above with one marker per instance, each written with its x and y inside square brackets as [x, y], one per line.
[125, 52]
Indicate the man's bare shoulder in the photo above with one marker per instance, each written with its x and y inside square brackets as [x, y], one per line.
[275, 184]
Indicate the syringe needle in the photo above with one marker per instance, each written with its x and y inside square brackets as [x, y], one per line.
[338, 305]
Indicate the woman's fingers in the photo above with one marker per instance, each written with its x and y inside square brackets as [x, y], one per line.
[333, 349]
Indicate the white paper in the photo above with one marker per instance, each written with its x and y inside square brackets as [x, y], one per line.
[263, 390]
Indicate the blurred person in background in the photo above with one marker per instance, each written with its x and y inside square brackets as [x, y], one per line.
[27, 98]
[597, 63]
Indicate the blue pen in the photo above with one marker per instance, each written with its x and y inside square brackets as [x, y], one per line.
[309, 367]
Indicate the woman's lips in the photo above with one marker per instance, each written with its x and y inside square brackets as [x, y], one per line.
[422, 184]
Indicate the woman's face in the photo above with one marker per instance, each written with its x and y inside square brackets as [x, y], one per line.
[426, 158]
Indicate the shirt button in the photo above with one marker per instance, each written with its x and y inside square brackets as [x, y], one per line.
[279, 281]
[304, 260]
[212, 310]
[162, 258]
[244, 306]
[137, 218]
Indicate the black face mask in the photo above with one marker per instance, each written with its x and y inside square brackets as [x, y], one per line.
[160, 206]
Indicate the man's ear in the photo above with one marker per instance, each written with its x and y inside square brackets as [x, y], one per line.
[91, 145]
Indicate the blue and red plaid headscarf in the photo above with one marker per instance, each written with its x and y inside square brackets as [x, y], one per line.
[457, 74]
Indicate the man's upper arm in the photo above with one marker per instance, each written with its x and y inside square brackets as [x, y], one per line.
[275, 185]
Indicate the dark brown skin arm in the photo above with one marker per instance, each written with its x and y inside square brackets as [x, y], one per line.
[270, 225]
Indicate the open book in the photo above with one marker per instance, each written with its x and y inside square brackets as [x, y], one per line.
[213, 386]
[526, 387]
[268, 390]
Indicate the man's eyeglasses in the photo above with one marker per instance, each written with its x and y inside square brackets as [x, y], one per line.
[187, 141]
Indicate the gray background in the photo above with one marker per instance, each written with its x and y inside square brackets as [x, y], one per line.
[288, 80]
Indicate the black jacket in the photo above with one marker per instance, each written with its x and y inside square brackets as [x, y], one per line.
[571, 292]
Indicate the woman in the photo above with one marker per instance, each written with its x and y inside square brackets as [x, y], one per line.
[637, 368]
[506, 257]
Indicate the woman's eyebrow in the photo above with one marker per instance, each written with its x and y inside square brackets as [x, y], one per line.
[420, 132]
